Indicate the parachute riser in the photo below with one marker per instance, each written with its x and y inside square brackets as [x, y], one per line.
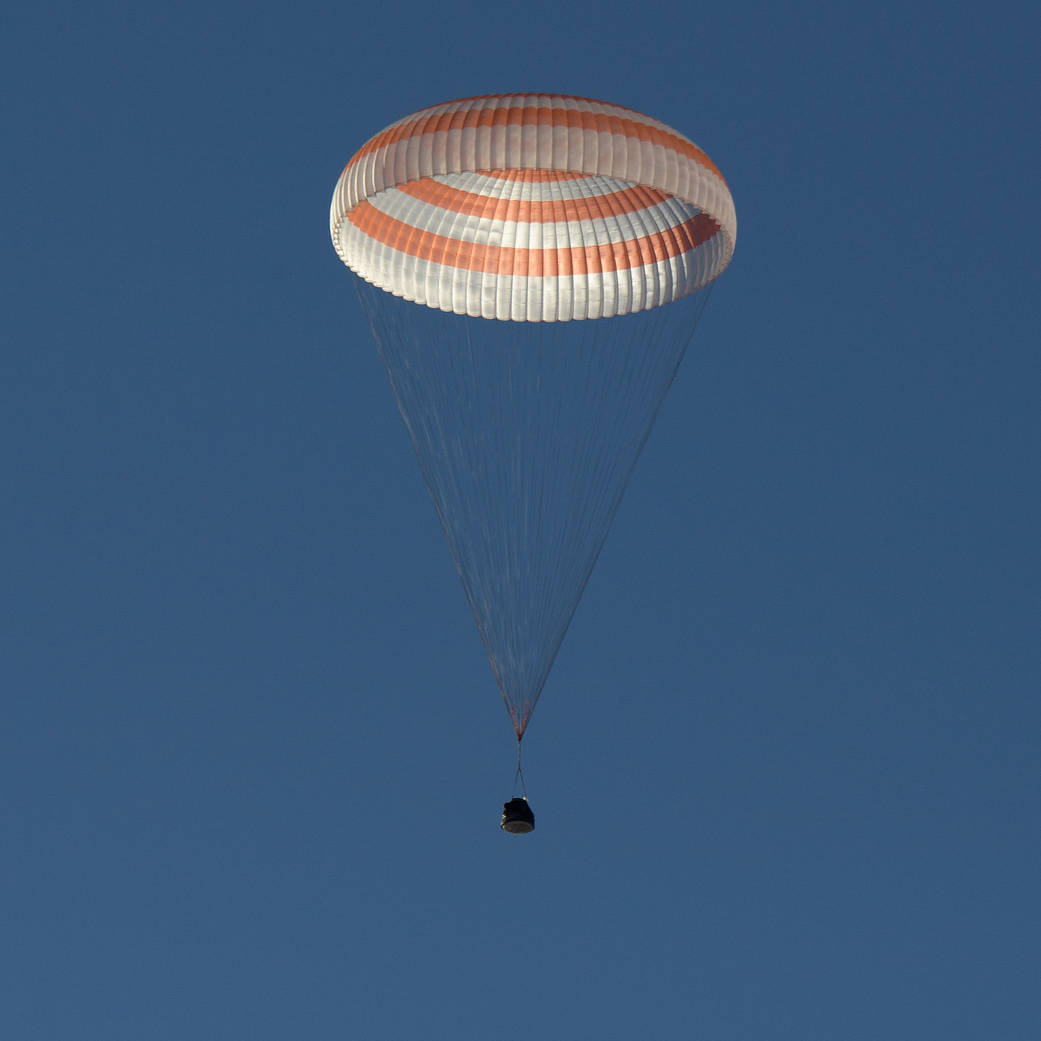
[519, 788]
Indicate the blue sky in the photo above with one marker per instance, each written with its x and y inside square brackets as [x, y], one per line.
[252, 754]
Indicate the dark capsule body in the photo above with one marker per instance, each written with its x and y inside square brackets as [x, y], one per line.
[517, 817]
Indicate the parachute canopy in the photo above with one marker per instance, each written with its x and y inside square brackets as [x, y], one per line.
[585, 230]
[533, 207]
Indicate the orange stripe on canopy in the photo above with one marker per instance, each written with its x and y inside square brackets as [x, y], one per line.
[610, 204]
[533, 176]
[546, 263]
[535, 116]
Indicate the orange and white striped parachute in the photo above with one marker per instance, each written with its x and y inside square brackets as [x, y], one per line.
[533, 207]
[536, 210]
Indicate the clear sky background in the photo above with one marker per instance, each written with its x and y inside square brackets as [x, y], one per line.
[252, 756]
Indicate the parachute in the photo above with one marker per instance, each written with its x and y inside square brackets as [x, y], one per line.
[532, 267]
